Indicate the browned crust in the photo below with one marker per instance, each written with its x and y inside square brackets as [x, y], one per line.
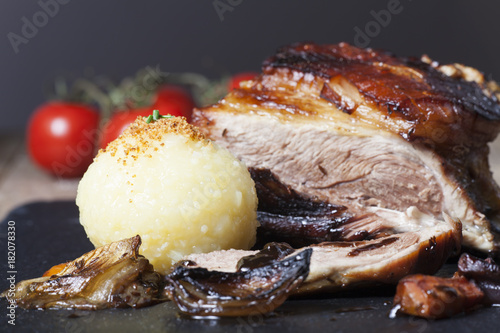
[436, 109]
[398, 85]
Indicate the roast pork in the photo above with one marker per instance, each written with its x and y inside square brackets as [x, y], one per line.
[363, 129]
[418, 244]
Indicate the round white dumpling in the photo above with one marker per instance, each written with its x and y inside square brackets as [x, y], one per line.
[180, 192]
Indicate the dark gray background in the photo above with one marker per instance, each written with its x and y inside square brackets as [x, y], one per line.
[117, 38]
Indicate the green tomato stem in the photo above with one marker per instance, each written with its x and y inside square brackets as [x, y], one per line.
[156, 116]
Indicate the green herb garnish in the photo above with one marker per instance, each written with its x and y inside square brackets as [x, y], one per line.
[156, 116]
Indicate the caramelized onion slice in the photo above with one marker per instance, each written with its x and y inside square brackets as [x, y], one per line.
[269, 253]
[199, 292]
[110, 276]
[287, 216]
[485, 273]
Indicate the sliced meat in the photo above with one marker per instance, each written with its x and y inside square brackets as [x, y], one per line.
[361, 128]
[287, 216]
[420, 243]
[435, 297]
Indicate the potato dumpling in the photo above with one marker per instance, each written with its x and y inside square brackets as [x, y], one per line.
[179, 191]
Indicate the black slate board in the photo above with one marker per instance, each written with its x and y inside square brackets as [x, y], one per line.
[48, 233]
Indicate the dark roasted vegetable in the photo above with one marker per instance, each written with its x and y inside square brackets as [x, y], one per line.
[200, 292]
[435, 297]
[485, 273]
[476, 282]
[111, 276]
[270, 252]
[284, 215]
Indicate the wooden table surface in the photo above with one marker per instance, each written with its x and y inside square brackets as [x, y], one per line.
[21, 182]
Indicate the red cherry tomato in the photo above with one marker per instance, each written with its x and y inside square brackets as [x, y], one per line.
[119, 122]
[172, 100]
[61, 138]
[175, 101]
[234, 83]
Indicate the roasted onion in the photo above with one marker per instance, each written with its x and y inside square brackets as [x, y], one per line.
[112, 276]
[199, 292]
